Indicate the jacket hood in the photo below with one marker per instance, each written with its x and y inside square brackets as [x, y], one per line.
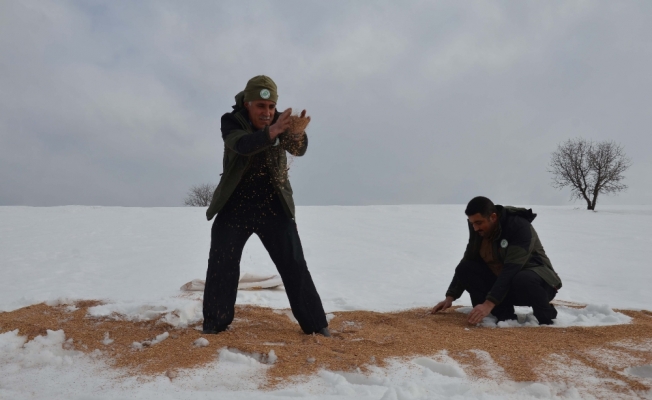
[239, 101]
[504, 211]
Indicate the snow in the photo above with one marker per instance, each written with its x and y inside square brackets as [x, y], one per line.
[380, 258]
[158, 339]
[591, 315]
[237, 356]
[107, 340]
[644, 371]
[445, 369]
[177, 312]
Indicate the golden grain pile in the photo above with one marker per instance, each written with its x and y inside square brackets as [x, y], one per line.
[360, 339]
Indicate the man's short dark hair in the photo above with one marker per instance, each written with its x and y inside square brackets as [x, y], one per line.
[480, 205]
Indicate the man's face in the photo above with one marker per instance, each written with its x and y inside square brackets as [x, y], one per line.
[483, 226]
[261, 112]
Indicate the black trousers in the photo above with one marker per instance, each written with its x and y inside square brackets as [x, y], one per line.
[280, 237]
[526, 289]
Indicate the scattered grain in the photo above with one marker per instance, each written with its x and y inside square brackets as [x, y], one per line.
[359, 339]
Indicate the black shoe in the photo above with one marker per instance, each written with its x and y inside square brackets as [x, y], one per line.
[213, 331]
[546, 316]
[324, 332]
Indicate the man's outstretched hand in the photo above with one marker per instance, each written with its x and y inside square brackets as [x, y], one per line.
[442, 305]
[480, 311]
[281, 125]
[299, 124]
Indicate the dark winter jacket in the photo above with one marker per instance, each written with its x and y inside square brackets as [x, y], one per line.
[241, 142]
[517, 246]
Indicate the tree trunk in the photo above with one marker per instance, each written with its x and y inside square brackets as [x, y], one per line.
[589, 206]
[595, 200]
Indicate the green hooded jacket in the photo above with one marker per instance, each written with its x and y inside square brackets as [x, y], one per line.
[517, 246]
[235, 126]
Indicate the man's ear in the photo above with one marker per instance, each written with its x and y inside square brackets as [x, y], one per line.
[493, 217]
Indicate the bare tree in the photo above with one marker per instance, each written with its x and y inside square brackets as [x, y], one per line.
[200, 195]
[589, 169]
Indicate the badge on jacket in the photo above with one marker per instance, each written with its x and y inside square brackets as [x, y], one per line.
[504, 243]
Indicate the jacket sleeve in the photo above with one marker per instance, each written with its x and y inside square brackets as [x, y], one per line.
[456, 289]
[241, 141]
[520, 244]
[294, 147]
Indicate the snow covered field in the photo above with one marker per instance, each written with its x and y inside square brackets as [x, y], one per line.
[379, 258]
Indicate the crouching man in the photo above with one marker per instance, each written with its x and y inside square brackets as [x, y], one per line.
[255, 196]
[504, 265]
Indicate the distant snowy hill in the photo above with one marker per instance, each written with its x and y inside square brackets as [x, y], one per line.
[370, 258]
[380, 258]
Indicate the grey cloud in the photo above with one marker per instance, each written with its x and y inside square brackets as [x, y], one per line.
[118, 103]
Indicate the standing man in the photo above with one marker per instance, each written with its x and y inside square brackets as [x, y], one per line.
[504, 265]
[255, 196]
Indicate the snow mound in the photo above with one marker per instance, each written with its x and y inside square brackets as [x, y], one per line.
[52, 349]
[148, 343]
[644, 371]
[252, 359]
[441, 368]
[591, 315]
[160, 338]
[421, 378]
[176, 312]
[61, 301]
[107, 340]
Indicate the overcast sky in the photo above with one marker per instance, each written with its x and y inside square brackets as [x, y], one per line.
[119, 102]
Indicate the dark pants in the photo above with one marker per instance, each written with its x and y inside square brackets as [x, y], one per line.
[526, 289]
[280, 237]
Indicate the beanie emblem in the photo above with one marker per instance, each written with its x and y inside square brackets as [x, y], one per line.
[264, 94]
